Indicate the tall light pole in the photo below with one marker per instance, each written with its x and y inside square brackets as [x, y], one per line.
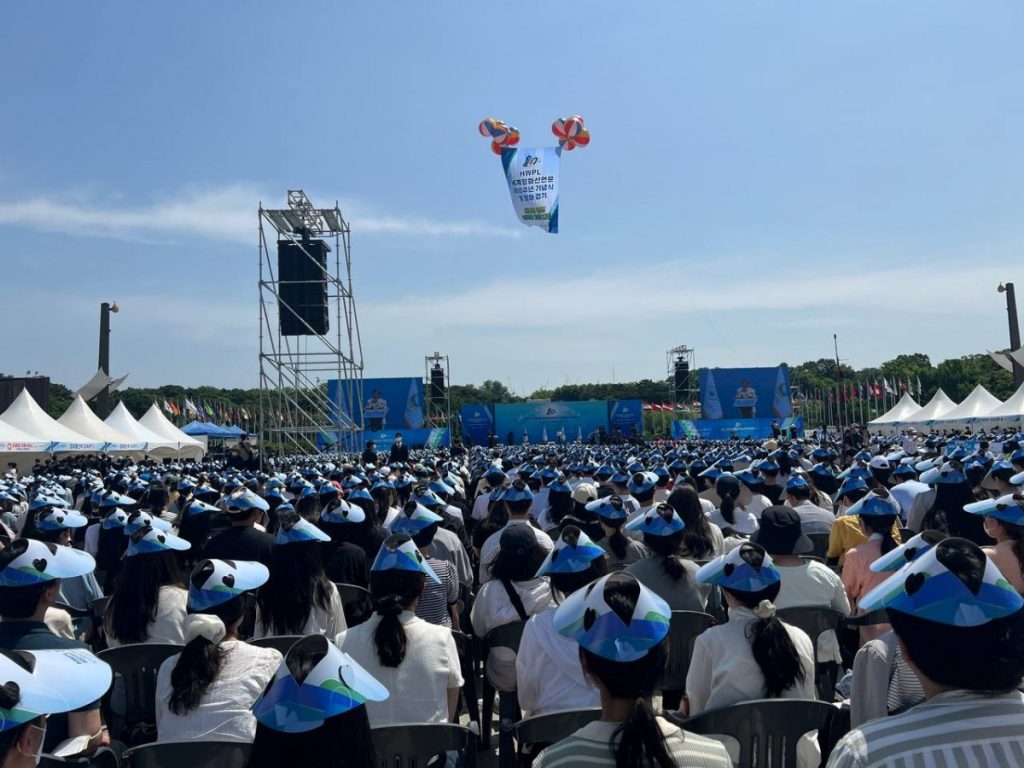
[103, 399]
[1011, 316]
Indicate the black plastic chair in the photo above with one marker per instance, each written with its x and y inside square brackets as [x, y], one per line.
[357, 602]
[820, 542]
[415, 745]
[282, 643]
[684, 628]
[505, 636]
[464, 646]
[767, 729]
[542, 731]
[193, 754]
[104, 757]
[132, 696]
[815, 621]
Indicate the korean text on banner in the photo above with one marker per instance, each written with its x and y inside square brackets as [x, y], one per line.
[532, 176]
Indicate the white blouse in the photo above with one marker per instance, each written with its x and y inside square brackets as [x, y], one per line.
[327, 622]
[548, 672]
[224, 712]
[168, 626]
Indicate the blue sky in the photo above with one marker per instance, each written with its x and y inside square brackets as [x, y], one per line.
[760, 176]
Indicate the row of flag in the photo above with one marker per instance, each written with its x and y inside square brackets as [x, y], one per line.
[205, 411]
[869, 389]
[667, 407]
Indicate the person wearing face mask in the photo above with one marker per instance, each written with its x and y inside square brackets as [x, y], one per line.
[38, 685]
[399, 450]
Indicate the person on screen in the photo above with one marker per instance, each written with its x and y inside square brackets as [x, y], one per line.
[746, 393]
[376, 411]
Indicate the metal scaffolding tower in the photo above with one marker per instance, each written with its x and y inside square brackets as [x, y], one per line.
[300, 411]
[684, 390]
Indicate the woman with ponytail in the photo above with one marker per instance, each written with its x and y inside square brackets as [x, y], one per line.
[754, 655]
[621, 628]
[877, 513]
[666, 571]
[622, 551]
[731, 515]
[206, 692]
[1004, 522]
[702, 540]
[414, 659]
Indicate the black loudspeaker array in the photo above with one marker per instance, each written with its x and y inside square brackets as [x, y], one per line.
[682, 374]
[302, 287]
[437, 383]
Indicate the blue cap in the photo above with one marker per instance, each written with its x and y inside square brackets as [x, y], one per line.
[58, 519]
[1009, 508]
[197, 507]
[139, 520]
[245, 501]
[850, 485]
[586, 617]
[876, 503]
[941, 586]
[947, 474]
[904, 470]
[642, 482]
[224, 580]
[414, 518]
[343, 512]
[660, 521]
[294, 529]
[573, 553]
[25, 562]
[335, 685]
[399, 553]
[747, 568]
[609, 508]
[795, 483]
[149, 540]
[518, 491]
[359, 493]
[907, 552]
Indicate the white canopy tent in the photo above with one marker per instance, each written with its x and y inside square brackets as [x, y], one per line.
[1009, 414]
[187, 447]
[975, 405]
[80, 417]
[25, 414]
[938, 406]
[904, 409]
[156, 446]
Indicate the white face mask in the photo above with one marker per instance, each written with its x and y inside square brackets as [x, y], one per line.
[38, 756]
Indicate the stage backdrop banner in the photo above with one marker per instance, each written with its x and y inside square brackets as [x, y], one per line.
[532, 176]
[388, 404]
[627, 415]
[431, 438]
[726, 429]
[477, 422]
[542, 422]
[745, 393]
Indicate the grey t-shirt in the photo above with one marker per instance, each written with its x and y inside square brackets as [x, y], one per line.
[682, 594]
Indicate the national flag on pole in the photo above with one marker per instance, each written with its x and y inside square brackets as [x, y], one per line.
[888, 387]
[190, 408]
[167, 408]
[918, 387]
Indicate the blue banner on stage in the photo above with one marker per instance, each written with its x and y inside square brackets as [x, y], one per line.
[544, 422]
[430, 438]
[627, 416]
[727, 429]
[387, 404]
[745, 393]
[477, 423]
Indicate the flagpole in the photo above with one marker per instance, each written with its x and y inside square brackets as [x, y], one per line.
[839, 376]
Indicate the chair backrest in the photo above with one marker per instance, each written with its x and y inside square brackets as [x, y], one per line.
[99, 608]
[544, 730]
[193, 754]
[767, 729]
[820, 542]
[356, 601]
[104, 757]
[815, 620]
[683, 630]
[282, 643]
[505, 636]
[414, 745]
[132, 696]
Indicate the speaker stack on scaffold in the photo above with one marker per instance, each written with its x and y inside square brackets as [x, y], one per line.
[302, 286]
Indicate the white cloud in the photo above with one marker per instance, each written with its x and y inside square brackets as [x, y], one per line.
[221, 213]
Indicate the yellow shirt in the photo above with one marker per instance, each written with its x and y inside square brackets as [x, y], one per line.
[846, 534]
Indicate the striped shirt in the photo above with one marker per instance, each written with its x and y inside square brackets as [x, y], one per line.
[436, 598]
[954, 728]
[590, 746]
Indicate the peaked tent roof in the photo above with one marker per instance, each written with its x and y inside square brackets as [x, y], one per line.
[121, 420]
[905, 408]
[14, 440]
[977, 404]
[938, 406]
[155, 421]
[1011, 411]
[80, 417]
[25, 414]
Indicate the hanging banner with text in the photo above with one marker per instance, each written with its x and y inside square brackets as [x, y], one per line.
[532, 176]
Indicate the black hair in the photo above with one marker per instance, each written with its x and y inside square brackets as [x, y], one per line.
[296, 586]
[385, 498]
[393, 591]
[512, 564]
[425, 536]
[134, 603]
[307, 507]
[110, 553]
[10, 697]
[617, 539]
[19, 602]
[200, 660]
[770, 642]
[728, 490]
[564, 584]
[317, 748]
[988, 658]
[560, 504]
[801, 492]
[195, 529]
[639, 741]
[31, 529]
[697, 542]
[882, 525]
[947, 513]
[670, 549]
[157, 498]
